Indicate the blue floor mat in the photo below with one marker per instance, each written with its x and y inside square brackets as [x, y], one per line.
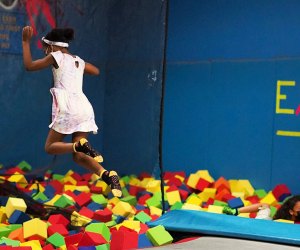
[229, 226]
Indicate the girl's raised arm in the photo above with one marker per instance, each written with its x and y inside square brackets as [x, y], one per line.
[29, 64]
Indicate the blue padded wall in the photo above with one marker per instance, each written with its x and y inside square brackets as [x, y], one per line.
[224, 61]
[133, 85]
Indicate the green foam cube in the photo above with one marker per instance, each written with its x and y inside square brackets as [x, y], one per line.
[111, 223]
[177, 205]
[273, 211]
[130, 199]
[99, 228]
[261, 193]
[143, 217]
[126, 179]
[103, 247]
[100, 199]
[153, 201]
[5, 231]
[159, 236]
[125, 192]
[63, 202]
[40, 196]
[57, 177]
[25, 166]
[56, 240]
[9, 242]
[219, 203]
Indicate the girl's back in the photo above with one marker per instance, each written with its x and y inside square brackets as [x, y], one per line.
[69, 74]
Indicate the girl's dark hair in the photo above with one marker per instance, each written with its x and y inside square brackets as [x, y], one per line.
[284, 211]
[60, 35]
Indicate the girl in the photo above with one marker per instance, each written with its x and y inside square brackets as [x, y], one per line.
[72, 113]
[289, 210]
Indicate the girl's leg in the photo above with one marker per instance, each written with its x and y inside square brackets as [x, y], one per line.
[55, 145]
[109, 177]
[84, 160]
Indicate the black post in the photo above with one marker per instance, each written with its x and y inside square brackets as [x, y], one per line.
[162, 106]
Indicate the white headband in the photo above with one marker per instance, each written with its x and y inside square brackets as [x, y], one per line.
[60, 44]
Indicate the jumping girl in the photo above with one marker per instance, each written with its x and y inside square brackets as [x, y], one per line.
[72, 113]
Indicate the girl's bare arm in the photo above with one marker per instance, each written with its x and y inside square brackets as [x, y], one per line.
[252, 208]
[91, 69]
[29, 64]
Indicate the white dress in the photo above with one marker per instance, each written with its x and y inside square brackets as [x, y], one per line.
[71, 110]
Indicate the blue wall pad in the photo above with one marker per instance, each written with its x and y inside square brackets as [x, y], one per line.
[230, 226]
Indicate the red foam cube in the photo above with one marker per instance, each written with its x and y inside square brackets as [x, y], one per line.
[73, 239]
[58, 219]
[91, 239]
[124, 240]
[57, 228]
[83, 199]
[104, 215]
[202, 183]
[280, 192]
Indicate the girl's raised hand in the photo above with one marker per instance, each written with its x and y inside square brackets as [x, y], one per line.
[27, 33]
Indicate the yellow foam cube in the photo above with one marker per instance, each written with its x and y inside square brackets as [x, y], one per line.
[145, 181]
[132, 224]
[173, 197]
[53, 200]
[123, 208]
[247, 187]
[70, 172]
[210, 191]
[122, 183]
[244, 215]
[114, 201]
[79, 220]
[35, 227]
[239, 194]
[63, 247]
[13, 204]
[246, 202]
[85, 189]
[3, 216]
[34, 244]
[78, 188]
[68, 197]
[69, 179]
[215, 209]
[187, 206]
[193, 180]
[68, 187]
[285, 221]
[18, 178]
[155, 211]
[181, 178]
[204, 174]
[269, 199]
[105, 188]
[207, 193]
[234, 186]
[194, 200]
[153, 186]
[133, 181]
[37, 186]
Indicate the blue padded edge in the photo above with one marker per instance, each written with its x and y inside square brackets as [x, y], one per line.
[230, 226]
